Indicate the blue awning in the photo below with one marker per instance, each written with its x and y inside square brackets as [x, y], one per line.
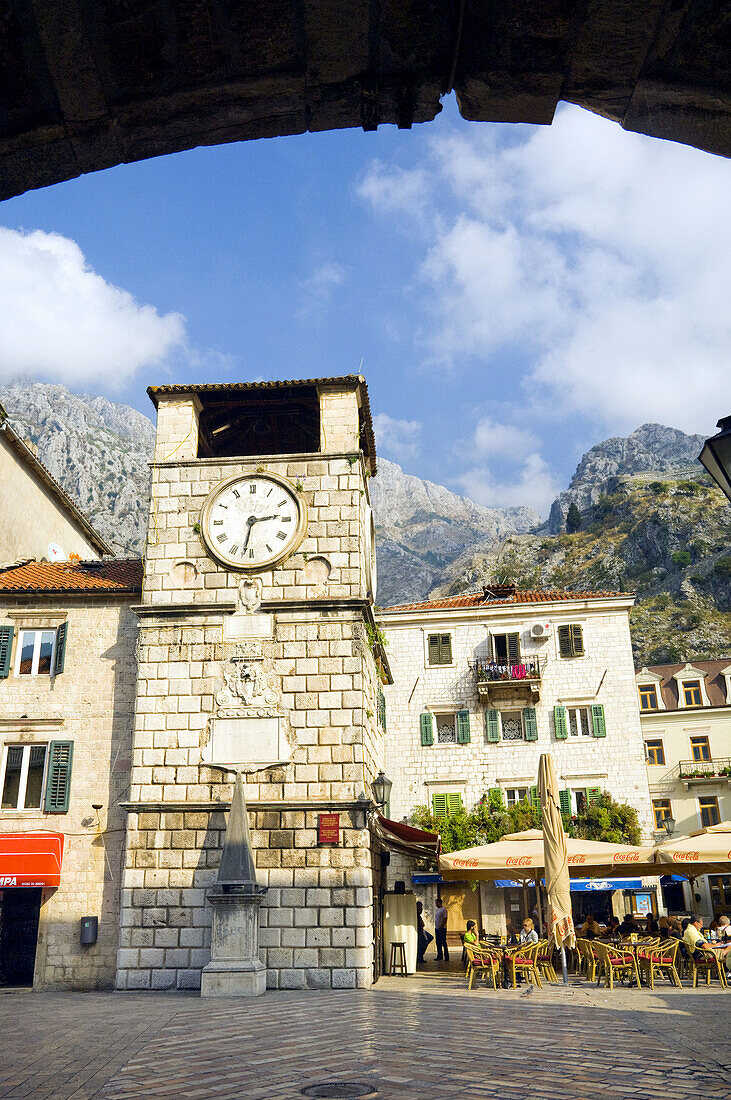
[581, 885]
[424, 880]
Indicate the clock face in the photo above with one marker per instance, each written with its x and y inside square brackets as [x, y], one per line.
[253, 521]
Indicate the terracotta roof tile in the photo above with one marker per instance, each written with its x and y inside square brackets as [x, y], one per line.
[112, 575]
[715, 681]
[526, 595]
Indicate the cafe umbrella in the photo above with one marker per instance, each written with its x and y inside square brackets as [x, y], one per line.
[520, 856]
[556, 862]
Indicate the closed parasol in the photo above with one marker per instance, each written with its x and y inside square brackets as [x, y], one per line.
[556, 860]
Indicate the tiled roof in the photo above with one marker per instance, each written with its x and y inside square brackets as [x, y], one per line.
[715, 683]
[112, 575]
[525, 595]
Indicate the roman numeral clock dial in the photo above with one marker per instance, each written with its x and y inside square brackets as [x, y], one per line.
[253, 521]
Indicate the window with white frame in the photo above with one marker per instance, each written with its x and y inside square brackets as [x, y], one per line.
[446, 728]
[35, 653]
[512, 723]
[648, 697]
[514, 795]
[22, 771]
[579, 721]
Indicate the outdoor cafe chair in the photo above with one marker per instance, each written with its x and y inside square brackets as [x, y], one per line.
[588, 958]
[659, 959]
[616, 961]
[481, 962]
[710, 965]
[521, 960]
[544, 960]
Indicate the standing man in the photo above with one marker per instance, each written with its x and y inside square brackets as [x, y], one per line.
[440, 931]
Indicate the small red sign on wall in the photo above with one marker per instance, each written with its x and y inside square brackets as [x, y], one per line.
[328, 829]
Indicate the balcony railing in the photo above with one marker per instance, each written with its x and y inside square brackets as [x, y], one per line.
[703, 771]
[488, 671]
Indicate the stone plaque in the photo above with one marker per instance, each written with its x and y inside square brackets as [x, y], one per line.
[255, 741]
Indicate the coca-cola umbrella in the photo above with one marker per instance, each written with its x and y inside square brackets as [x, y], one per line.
[520, 856]
[706, 852]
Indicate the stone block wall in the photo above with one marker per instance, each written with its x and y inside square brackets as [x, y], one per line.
[604, 675]
[91, 703]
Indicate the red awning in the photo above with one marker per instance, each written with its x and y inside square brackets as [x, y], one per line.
[406, 839]
[30, 859]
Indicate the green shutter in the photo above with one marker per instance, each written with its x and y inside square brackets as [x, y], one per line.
[577, 640]
[535, 799]
[593, 794]
[513, 648]
[598, 724]
[492, 725]
[58, 777]
[454, 803]
[495, 798]
[381, 709]
[433, 646]
[6, 647]
[445, 649]
[439, 805]
[58, 661]
[560, 725]
[564, 800]
[427, 729]
[530, 724]
[564, 641]
[463, 727]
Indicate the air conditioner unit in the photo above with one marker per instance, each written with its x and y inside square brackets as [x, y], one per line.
[540, 630]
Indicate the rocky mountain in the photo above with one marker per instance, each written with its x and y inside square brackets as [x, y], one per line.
[651, 449]
[652, 523]
[668, 541]
[97, 449]
[423, 527]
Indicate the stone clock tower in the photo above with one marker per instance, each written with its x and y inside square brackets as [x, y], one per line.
[254, 653]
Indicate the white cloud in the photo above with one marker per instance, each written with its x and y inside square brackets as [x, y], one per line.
[533, 486]
[316, 291]
[492, 438]
[595, 261]
[60, 320]
[397, 438]
[395, 190]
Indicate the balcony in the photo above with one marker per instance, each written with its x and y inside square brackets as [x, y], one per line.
[499, 680]
[699, 773]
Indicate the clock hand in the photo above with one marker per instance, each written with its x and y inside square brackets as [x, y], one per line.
[249, 524]
[259, 519]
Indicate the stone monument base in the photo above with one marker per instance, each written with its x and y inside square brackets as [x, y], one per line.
[235, 969]
[232, 978]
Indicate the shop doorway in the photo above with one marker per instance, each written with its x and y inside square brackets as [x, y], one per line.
[19, 913]
[462, 904]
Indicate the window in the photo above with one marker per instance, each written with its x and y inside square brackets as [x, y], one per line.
[381, 709]
[655, 752]
[24, 767]
[512, 723]
[449, 802]
[648, 697]
[710, 814]
[700, 748]
[571, 640]
[41, 652]
[584, 797]
[439, 647]
[506, 648]
[579, 723]
[513, 795]
[662, 811]
[692, 693]
[446, 728]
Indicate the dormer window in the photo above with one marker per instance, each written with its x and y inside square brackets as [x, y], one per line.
[692, 693]
[648, 697]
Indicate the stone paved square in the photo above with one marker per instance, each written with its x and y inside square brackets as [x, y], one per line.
[407, 1038]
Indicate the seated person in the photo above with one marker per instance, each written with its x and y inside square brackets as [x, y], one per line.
[674, 929]
[724, 929]
[695, 942]
[629, 926]
[528, 933]
[612, 926]
[653, 927]
[590, 928]
[470, 935]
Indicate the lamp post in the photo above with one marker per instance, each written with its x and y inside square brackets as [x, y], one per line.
[716, 456]
[381, 787]
[668, 824]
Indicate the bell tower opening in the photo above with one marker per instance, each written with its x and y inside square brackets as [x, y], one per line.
[259, 422]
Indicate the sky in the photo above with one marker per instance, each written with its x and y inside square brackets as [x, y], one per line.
[512, 294]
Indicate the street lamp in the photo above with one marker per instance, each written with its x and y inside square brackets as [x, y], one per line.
[381, 787]
[716, 456]
[668, 825]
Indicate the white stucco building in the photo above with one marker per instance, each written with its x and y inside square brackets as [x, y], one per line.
[685, 712]
[484, 683]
